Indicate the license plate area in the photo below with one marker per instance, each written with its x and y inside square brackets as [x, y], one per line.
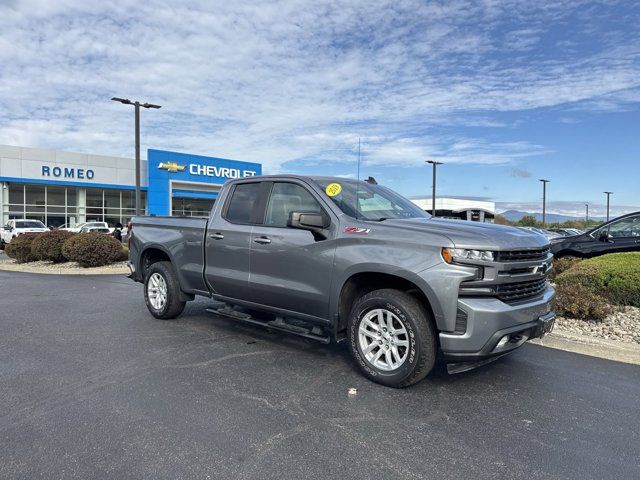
[545, 324]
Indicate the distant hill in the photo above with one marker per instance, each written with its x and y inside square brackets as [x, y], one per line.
[515, 215]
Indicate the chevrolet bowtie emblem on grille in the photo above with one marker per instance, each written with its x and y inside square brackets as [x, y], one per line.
[172, 167]
[541, 268]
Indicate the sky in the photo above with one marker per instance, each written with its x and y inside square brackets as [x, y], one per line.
[502, 92]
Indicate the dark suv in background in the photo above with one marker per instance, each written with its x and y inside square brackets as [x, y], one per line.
[621, 234]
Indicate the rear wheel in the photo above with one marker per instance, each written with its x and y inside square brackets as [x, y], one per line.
[162, 291]
[392, 338]
[2, 244]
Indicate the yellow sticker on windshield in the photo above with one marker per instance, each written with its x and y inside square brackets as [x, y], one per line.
[333, 189]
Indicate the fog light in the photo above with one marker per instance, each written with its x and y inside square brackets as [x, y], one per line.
[503, 341]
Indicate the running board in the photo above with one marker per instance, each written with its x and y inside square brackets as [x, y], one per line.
[277, 324]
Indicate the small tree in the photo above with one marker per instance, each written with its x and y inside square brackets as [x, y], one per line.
[92, 249]
[48, 246]
[20, 248]
[528, 221]
[500, 220]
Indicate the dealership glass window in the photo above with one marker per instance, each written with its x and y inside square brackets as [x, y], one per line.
[16, 194]
[56, 195]
[111, 206]
[35, 195]
[191, 207]
[94, 198]
[53, 205]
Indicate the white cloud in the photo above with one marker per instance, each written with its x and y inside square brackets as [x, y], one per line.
[295, 80]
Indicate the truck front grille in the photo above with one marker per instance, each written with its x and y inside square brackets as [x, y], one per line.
[522, 255]
[509, 292]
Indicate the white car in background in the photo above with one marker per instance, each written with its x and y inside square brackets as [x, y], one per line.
[13, 228]
[85, 227]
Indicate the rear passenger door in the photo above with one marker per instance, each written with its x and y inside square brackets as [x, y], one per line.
[228, 239]
[290, 268]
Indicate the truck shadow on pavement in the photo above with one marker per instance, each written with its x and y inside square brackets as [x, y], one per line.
[336, 354]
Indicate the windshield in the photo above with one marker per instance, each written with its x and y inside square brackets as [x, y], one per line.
[374, 202]
[30, 224]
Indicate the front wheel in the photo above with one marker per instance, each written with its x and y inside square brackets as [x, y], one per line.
[162, 291]
[392, 338]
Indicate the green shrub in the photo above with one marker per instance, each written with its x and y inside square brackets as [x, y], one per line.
[563, 264]
[124, 254]
[615, 276]
[20, 247]
[48, 245]
[577, 301]
[92, 249]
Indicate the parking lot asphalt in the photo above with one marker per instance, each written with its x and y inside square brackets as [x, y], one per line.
[93, 387]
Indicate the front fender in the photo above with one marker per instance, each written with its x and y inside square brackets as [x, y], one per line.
[375, 267]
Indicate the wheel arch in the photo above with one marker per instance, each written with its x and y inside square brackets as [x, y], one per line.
[366, 280]
[152, 254]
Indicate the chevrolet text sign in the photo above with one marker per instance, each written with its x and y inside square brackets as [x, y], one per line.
[174, 176]
[219, 172]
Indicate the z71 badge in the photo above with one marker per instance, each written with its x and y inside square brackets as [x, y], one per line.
[356, 230]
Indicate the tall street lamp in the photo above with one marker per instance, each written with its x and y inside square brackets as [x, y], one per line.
[137, 106]
[587, 217]
[544, 201]
[608, 195]
[433, 193]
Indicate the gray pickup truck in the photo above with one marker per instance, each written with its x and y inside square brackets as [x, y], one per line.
[329, 258]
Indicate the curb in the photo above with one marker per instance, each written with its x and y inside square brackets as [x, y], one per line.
[63, 271]
[592, 346]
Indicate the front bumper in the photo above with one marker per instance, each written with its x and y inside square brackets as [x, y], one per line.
[495, 328]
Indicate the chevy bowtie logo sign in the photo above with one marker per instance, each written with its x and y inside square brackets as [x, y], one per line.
[172, 167]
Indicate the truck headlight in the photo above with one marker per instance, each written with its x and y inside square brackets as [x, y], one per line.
[451, 255]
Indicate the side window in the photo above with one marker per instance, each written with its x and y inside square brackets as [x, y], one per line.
[286, 198]
[243, 203]
[627, 227]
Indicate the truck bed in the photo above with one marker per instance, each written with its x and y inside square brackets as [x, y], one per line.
[183, 239]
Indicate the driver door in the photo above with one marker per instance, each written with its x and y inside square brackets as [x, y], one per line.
[290, 268]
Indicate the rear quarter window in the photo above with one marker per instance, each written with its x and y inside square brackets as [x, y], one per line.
[243, 203]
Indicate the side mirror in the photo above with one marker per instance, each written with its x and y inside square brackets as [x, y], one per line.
[605, 237]
[312, 221]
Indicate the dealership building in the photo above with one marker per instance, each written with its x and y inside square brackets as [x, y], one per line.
[59, 188]
[460, 208]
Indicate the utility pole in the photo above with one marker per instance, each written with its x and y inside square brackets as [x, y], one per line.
[137, 106]
[608, 195]
[544, 201]
[433, 192]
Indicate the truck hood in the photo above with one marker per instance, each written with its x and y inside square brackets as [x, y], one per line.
[477, 235]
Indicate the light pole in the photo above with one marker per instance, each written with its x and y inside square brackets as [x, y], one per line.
[433, 192]
[544, 201]
[587, 217]
[137, 106]
[608, 195]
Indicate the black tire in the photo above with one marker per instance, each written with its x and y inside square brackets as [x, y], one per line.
[2, 245]
[422, 347]
[173, 305]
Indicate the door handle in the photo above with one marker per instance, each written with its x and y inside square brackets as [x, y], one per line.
[262, 240]
[216, 236]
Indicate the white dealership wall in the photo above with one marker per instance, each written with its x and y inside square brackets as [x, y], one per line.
[458, 205]
[53, 167]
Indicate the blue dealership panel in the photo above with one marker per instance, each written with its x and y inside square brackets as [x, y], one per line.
[165, 166]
